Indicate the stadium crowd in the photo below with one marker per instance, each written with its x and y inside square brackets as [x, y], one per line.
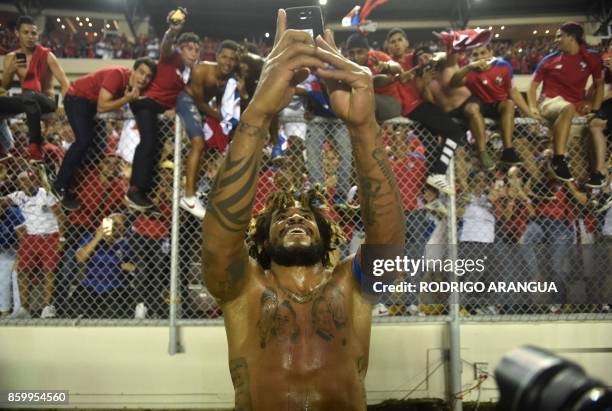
[86, 203]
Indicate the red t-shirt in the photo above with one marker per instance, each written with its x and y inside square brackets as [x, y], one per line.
[38, 70]
[566, 75]
[409, 93]
[114, 79]
[154, 226]
[410, 174]
[265, 187]
[168, 82]
[97, 199]
[374, 57]
[493, 85]
[559, 208]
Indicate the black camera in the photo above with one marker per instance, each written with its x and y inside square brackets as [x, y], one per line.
[533, 379]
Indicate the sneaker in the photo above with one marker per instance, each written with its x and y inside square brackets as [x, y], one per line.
[560, 169]
[67, 198]
[48, 312]
[439, 182]
[20, 314]
[137, 200]
[486, 161]
[380, 310]
[542, 191]
[437, 208]
[140, 313]
[35, 153]
[597, 180]
[601, 203]
[510, 157]
[193, 206]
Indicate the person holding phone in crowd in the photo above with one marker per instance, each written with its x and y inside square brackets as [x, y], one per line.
[35, 66]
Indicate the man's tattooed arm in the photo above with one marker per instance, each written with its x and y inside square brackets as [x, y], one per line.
[381, 207]
[230, 203]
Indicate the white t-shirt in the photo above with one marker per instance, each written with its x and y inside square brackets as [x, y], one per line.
[478, 221]
[36, 210]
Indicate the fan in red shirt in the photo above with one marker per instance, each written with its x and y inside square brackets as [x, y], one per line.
[413, 107]
[564, 75]
[35, 66]
[177, 57]
[106, 89]
[491, 82]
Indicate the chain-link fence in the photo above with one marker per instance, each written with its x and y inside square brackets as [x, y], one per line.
[111, 264]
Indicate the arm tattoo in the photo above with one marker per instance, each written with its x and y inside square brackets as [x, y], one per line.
[239, 371]
[228, 192]
[251, 131]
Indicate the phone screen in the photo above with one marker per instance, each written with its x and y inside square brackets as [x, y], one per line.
[308, 19]
[20, 57]
[107, 226]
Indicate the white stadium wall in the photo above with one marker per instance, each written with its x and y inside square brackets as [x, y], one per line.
[130, 366]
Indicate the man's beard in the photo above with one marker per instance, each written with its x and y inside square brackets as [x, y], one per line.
[297, 256]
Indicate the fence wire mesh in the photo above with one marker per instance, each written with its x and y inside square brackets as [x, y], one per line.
[112, 265]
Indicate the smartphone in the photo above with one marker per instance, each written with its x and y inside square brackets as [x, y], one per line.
[21, 58]
[308, 19]
[107, 226]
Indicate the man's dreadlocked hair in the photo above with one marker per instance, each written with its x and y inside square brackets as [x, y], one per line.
[259, 229]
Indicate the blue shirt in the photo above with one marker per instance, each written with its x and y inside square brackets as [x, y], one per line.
[11, 218]
[103, 269]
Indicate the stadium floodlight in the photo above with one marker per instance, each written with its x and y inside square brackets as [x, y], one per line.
[78, 18]
[535, 32]
[496, 35]
[322, 2]
[502, 27]
[63, 27]
[267, 35]
[490, 27]
[90, 25]
[81, 23]
[58, 20]
[86, 18]
[107, 26]
[96, 34]
[547, 31]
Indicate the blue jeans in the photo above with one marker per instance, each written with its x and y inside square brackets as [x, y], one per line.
[189, 113]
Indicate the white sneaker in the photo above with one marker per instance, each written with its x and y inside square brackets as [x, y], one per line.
[380, 310]
[48, 312]
[439, 182]
[20, 314]
[141, 311]
[193, 206]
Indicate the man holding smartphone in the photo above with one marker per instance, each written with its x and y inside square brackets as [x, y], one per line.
[297, 322]
[35, 66]
[106, 89]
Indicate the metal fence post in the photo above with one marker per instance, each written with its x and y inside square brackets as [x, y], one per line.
[454, 324]
[174, 345]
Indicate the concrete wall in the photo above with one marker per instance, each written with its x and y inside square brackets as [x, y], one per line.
[130, 367]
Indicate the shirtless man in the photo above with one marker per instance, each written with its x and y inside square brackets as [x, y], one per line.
[208, 80]
[34, 73]
[297, 326]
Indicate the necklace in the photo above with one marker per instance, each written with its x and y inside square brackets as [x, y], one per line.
[306, 297]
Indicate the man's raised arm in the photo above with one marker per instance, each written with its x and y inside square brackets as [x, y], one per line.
[230, 203]
[352, 98]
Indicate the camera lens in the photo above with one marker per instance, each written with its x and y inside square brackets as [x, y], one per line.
[533, 379]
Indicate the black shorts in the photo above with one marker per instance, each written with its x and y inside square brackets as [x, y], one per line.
[605, 111]
[488, 110]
